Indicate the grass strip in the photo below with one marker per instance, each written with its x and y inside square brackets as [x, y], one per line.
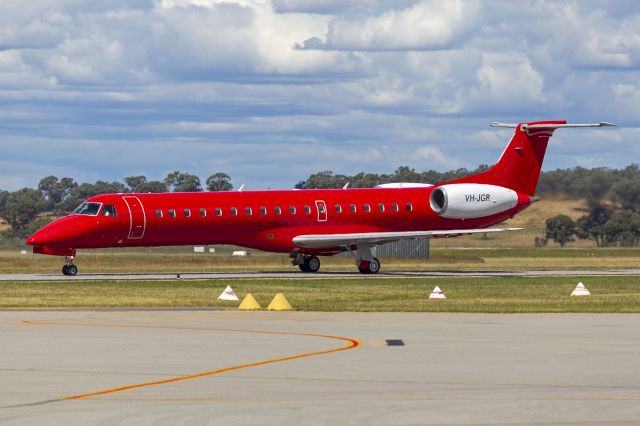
[489, 295]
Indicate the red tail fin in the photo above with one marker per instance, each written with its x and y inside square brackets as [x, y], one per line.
[519, 166]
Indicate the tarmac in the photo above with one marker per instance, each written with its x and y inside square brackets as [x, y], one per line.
[323, 275]
[301, 368]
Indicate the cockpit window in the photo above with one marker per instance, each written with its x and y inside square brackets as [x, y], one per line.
[108, 210]
[88, 209]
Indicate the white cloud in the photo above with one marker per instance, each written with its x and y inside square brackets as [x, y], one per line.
[423, 26]
[204, 84]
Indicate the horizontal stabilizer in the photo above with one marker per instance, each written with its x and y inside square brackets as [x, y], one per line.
[320, 241]
[525, 126]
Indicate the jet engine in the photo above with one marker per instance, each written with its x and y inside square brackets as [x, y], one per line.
[471, 200]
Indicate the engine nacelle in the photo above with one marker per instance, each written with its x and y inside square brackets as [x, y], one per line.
[471, 200]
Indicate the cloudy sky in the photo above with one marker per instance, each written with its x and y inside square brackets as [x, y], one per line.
[272, 91]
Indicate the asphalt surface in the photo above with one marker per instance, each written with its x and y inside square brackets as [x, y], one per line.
[324, 275]
[265, 368]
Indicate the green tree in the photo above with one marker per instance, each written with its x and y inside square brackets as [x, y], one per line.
[623, 228]
[140, 184]
[56, 190]
[87, 190]
[627, 193]
[326, 180]
[135, 182]
[3, 199]
[182, 182]
[592, 224]
[219, 182]
[21, 207]
[560, 229]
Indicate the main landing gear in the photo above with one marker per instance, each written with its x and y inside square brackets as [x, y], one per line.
[69, 268]
[366, 263]
[305, 263]
[369, 266]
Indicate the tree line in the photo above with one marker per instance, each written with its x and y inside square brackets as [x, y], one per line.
[601, 183]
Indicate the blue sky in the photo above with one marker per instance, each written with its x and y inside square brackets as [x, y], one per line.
[272, 91]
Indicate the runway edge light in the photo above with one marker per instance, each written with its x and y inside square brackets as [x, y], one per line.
[279, 303]
[249, 303]
[580, 290]
[228, 294]
[437, 294]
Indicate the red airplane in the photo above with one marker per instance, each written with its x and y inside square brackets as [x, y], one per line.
[311, 223]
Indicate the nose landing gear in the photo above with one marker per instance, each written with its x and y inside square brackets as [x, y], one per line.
[69, 268]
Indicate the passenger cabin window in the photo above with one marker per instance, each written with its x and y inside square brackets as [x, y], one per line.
[381, 208]
[88, 209]
[353, 208]
[338, 208]
[409, 207]
[394, 207]
[234, 211]
[203, 212]
[108, 210]
[307, 209]
[278, 210]
[172, 213]
[248, 211]
[367, 208]
[292, 209]
[159, 213]
[218, 211]
[263, 211]
[187, 213]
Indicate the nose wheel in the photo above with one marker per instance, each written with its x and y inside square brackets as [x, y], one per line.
[69, 269]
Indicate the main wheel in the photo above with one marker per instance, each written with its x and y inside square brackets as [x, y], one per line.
[312, 263]
[303, 267]
[363, 267]
[64, 270]
[374, 266]
[72, 270]
[369, 267]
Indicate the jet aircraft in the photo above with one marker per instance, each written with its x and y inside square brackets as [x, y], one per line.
[311, 223]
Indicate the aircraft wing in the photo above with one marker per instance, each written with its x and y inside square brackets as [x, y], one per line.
[319, 241]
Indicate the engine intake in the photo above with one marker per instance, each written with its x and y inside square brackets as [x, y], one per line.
[471, 200]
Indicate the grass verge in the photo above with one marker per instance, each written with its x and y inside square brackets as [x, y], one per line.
[493, 295]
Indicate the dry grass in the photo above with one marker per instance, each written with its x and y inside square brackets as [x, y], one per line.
[182, 260]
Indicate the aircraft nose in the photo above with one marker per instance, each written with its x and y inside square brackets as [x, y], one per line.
[37, 239]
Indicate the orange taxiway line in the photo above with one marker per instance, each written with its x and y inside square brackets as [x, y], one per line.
[351, 344]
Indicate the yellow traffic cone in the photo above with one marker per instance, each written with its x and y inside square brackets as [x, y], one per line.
[249, 303]
[279, 303]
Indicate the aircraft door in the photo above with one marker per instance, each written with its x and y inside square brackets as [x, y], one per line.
[137, 218]
[322, 211]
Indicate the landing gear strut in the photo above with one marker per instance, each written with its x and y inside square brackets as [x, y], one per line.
[69, 268]
[306, 263]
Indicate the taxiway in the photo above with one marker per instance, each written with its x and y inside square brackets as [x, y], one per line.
[205, 367]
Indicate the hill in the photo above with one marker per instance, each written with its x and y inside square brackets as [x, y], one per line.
[532, 220]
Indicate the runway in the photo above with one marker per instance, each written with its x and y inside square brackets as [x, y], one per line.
[323, 275]
[259, 368]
